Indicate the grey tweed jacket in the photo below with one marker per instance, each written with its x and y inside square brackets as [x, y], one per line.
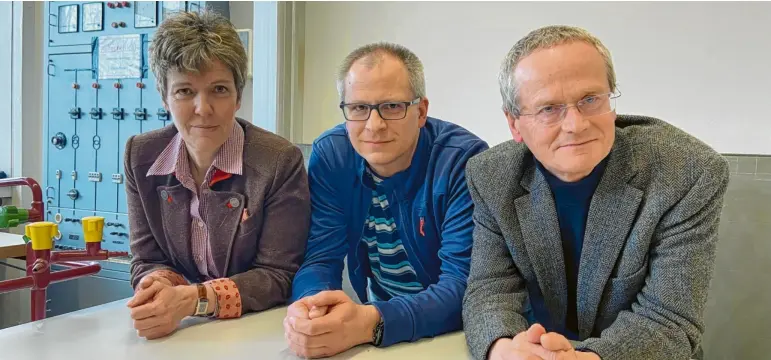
[648, 252]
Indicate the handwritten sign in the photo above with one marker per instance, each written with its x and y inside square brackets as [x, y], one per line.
[120, 57]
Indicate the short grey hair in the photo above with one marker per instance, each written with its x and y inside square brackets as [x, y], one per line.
[190, 41]
[373, 53]
[544, 38]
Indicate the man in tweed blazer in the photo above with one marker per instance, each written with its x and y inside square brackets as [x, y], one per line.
[595, 234]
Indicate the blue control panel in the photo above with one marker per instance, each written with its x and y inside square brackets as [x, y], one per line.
[98, 91]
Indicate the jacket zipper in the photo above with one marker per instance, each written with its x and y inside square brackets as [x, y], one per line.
[410, 246]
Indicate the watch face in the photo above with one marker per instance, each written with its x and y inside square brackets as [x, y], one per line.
[377, 337]
[202, 305]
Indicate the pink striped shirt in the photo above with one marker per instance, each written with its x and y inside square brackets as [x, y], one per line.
[228, 161]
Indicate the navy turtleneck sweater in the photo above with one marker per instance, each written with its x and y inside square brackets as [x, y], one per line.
[572, 201]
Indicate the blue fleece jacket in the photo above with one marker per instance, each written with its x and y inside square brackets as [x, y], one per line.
[433, 209]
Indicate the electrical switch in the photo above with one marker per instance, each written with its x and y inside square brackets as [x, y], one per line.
[163, 114]
[94, 176]
[59, 141]
[74, 113]
[117, 113]
[73, 194]
[96, 113]
[140, 114]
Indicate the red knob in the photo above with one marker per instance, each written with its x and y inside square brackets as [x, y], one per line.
[117, 85]
[118, 5]
[114, 24]
[126, 4]
[140, 85]
[75, 86]
[95, 85]
[110, 5]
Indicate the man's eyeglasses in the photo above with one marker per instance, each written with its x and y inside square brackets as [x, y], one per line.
[592, 105]
[395, 110]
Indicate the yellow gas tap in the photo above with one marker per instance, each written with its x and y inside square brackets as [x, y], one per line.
[41, 234]
[92, 228]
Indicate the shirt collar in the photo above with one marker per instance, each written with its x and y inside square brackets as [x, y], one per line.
[229, 158]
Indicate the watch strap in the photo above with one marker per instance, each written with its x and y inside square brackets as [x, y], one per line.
[377, 335]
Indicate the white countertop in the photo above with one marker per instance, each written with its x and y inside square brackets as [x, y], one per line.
[11, 245]
[105, 332]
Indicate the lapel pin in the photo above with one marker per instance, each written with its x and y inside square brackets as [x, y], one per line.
[165, 195]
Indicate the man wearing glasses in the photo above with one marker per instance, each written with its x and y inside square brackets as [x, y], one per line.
[388, 191]
[594, 233]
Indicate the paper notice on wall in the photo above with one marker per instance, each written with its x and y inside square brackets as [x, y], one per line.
[120, 57]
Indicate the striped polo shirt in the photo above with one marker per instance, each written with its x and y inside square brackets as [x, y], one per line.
[393, 275]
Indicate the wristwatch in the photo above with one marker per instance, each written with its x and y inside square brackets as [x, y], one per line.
[203, 301]
[377, 335]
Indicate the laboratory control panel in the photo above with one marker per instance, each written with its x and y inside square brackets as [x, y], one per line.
[98, 91]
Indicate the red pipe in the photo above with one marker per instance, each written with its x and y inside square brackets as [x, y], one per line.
[79, 255]
[16, 284]
[73, 273]
[38, 309]
[36, 212]
[72, 264]
[83, 255]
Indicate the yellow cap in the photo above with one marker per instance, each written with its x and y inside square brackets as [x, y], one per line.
[92, 228]
[41, 234]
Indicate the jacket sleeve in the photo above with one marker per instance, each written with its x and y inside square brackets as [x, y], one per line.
[282, 239]
[666, 320]
[437, 309]
[147, 256]
[322, 268]
[495, 298]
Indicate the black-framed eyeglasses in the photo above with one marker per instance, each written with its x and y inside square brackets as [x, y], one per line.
[392, 110]
[591, 105]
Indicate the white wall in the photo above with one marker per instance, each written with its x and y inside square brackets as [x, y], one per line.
[6, 95]
[704, 67]
[242, 17]
[28, 86]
